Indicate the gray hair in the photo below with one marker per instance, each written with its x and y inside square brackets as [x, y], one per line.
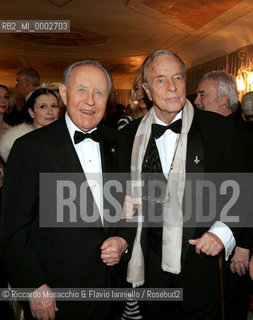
[226, 87]
[150, 59]
[68, 71]
[31, 74]
[247, 104]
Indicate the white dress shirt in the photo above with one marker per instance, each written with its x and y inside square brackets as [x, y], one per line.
[166, 146]
[88, 152]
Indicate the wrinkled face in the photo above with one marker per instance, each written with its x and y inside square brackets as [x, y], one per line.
[207, 96]
[45, 110]
[166, 86]
[85, 96]
[141, 96]
[4, 100]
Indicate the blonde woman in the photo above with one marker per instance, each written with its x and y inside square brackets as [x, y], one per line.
[140, 104]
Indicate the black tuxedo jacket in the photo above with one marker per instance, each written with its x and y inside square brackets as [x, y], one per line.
[60, 257]
[221, 146]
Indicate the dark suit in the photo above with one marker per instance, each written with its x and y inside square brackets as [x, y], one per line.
[239, 287]
[219, 150]
[59, 257]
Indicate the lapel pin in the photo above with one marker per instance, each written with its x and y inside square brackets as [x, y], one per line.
[196, 160]
[112, 150]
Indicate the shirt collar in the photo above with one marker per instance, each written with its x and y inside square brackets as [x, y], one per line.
[158, 121]
[72, 127]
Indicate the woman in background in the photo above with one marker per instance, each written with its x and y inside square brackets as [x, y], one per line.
[4, 105]
[42, 109]
[54, 86]
[139, 106]
[140, 102]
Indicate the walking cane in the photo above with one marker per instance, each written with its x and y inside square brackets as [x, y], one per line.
[221, 286]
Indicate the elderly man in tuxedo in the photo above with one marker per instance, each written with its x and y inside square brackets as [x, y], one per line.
[173, 140]
[217, 92]
[66, 257]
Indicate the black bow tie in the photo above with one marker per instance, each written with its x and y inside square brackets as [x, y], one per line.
[158, 130]
[80, 136]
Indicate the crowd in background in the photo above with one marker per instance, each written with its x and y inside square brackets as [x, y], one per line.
[37, 105]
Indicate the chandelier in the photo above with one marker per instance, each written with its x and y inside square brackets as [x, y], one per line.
[244, 79]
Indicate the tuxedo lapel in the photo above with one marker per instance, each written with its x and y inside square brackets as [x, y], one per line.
[109, 161]
[63, 157]
[194, 165]
[61, 150]
[195, 149]
[108, 149]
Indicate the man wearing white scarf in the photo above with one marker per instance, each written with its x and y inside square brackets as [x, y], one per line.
[174, 256]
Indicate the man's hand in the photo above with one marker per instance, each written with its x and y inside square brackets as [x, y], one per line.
[240, 261]
[43, 308]
[251, 267]
[209, 244]
[129, 207]
[112, 250]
